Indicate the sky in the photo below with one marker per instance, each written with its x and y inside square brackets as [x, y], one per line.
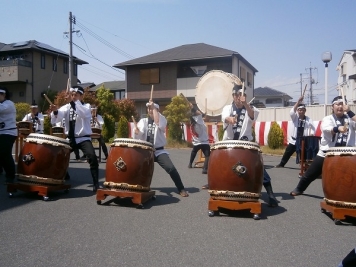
[283, 39]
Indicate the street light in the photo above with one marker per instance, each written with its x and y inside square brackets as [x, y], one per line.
[326, 58]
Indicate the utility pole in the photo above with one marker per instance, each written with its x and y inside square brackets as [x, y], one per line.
[70, 61]
[311, 84]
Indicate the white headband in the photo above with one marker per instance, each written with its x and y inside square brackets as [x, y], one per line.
[156, 105]
[2, 91]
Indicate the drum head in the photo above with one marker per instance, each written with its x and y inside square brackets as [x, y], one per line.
[214, 91]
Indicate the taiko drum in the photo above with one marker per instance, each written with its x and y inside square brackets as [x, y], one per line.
[130, 165]
[44, 159]
[339, 176]
[235, 171]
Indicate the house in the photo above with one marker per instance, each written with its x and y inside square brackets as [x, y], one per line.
[118, 88]
[347, 75]
[29, 68]
[178, 70]
[268, 97]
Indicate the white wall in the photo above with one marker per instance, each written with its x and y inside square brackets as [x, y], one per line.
[348, 61]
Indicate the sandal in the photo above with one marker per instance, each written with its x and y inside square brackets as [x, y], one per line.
[205, 186]
[183, 193]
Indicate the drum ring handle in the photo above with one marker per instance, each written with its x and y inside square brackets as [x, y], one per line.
[28, 158]
[120, 164]
[239, 169]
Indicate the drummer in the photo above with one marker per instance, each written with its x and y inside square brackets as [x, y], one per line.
[8, 134]
[152, 129]
[77, 127]
[338, 130]
[301, 125]
[36, 118]
[200, 138]
[238, 120]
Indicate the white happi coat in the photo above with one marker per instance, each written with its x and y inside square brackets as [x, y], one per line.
[247, 124]
[309, 128]
[159, 134]
[82, 130]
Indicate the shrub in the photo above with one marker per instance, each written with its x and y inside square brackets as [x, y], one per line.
[177, 112]
[108, 127]
[275, 136]
[123, 128]
[21, 110]
[220, 132]
[47, 125]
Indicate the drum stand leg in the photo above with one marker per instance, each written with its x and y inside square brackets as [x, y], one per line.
[338, 213]
[136, 197]
[214, 205]
[42, 190]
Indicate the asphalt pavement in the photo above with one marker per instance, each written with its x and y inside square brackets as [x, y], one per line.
[73, 230]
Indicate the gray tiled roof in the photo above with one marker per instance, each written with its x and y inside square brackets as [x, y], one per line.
[35, 45]
[112, 85]
[183, 53]
[266, 91]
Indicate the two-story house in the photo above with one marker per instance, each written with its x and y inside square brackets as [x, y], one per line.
[29, 68]
[268, 97]
[347, 74]
[178, 70]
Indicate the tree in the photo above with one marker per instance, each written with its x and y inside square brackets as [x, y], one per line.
[127, 108]
[177, 112]
[106, 103]
[108, 127]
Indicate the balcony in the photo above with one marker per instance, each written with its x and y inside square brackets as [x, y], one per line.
[15, 70]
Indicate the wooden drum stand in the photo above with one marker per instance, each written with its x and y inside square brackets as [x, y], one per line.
[338, 213]
[254, 207]
[24, 128]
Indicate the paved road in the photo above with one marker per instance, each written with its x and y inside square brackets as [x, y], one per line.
[72, 230]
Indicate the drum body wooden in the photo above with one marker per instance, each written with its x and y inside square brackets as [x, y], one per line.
[44, 159]
[130, 165]
[25, 127]
[214, 91]
[339, 177]
[58, 131]
[235, 171]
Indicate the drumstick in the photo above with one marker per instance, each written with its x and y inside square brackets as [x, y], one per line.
[342, 95]
[243, 88]
[251, 100]
[305, 88]
[206, 105]
[133, 119]
[49, 101]
[184, 97]
[151, 92]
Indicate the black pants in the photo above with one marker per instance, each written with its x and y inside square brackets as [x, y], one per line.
[205, 148]
[290, 149]
[165, 162]
[87, 148]
[6, 160]
[103, 146]
[314, 171]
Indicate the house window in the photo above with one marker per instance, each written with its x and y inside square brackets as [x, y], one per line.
[75, 69]
[54, 64]
[43, 61]
[149, 76]
[249, 79]
[273, 100]
[120, 94]
[242, 74]
[65, 67]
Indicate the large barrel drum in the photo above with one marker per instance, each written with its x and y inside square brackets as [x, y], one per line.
[43, 160]
[130, 165]
[339, 177]
[235, 171]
